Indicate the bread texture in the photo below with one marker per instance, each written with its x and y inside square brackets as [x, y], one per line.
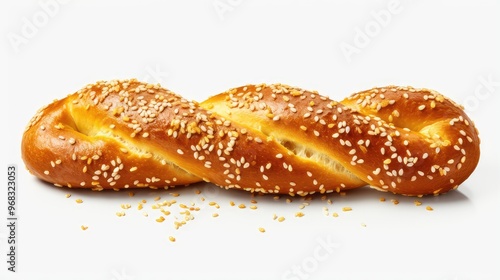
[259, 138]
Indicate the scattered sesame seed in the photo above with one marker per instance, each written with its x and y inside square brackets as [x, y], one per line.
[120, 214]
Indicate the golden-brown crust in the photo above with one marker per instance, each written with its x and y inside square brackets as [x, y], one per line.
[264, 138]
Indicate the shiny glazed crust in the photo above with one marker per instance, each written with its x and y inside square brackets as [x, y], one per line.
[259, 138]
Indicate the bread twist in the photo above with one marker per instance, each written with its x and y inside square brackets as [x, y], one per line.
[259, 138]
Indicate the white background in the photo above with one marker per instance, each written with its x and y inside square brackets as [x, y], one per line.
[199, 48]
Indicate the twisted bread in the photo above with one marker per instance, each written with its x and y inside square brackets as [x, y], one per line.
[260, 138]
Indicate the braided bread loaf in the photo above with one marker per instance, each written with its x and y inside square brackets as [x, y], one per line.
[260, 138]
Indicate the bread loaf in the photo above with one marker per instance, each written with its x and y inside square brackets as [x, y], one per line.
[259, 138]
